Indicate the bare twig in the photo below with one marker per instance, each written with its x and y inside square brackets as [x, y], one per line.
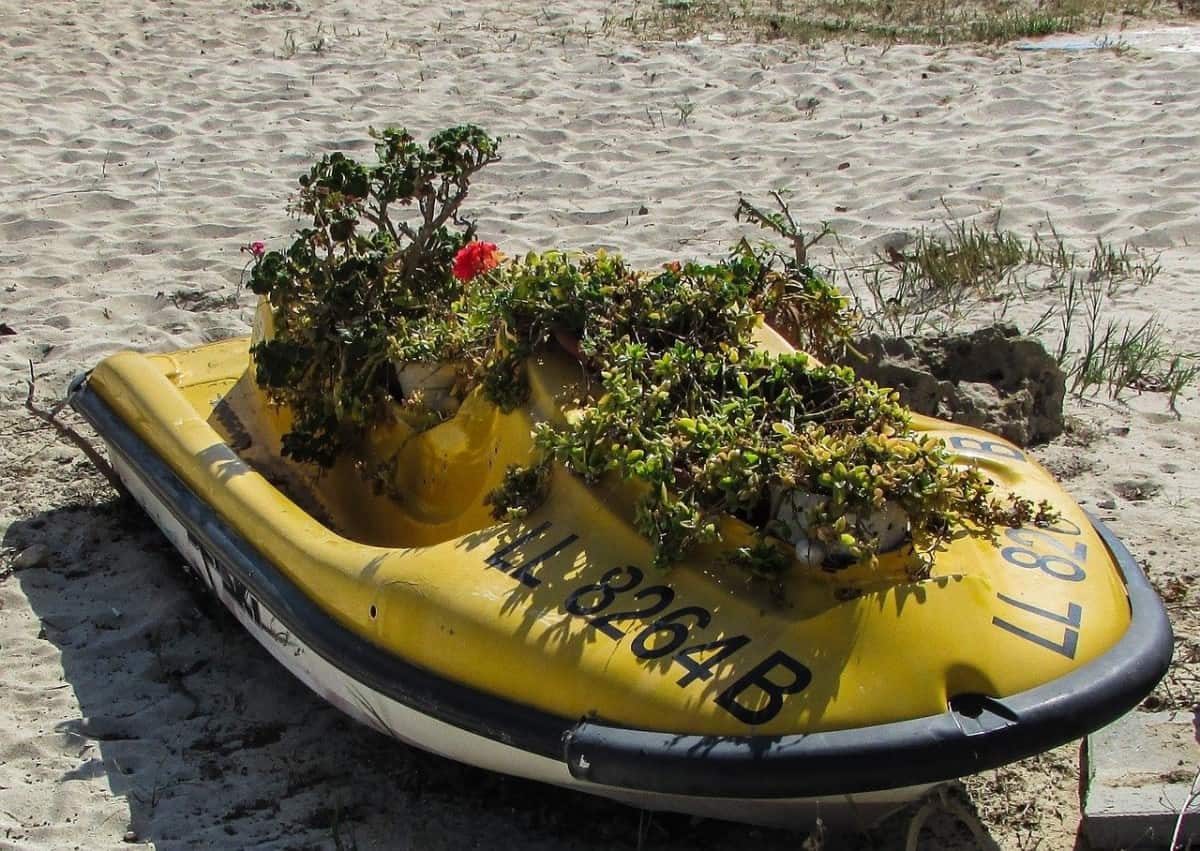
[50, 417]
[46, 195]
[1193, 796]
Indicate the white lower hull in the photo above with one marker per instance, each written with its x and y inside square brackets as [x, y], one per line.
[392, 718]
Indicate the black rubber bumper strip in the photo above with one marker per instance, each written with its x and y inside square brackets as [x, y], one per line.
[977, 733]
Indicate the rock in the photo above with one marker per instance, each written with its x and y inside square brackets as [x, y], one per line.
[31, 557]
[993, 378]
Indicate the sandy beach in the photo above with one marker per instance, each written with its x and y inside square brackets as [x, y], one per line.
[143, 143]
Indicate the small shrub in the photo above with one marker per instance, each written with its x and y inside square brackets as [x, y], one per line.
[354, 280]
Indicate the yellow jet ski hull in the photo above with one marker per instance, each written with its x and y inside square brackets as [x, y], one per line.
[547, 647]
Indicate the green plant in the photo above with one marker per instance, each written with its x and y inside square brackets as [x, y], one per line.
[708, 434]
[685, 108]
[706, 425]
[680, 401]
[319, 43]
[354, 279]
[1114, 356]
[290, 48]
[522, 487]
[804, 307]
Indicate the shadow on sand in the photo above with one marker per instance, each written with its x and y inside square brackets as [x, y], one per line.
[213, 744]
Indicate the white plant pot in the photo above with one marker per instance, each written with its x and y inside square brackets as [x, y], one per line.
[889, 525]
[434, 382]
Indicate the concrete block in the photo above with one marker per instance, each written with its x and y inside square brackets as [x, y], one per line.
[1138, 771]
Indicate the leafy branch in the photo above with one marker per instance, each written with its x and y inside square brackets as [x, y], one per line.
[344, 290]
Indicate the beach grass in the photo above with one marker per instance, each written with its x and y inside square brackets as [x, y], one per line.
[913, 21]
[966, 272]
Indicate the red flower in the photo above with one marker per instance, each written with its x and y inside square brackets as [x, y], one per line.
[475, 258]
[258, 249]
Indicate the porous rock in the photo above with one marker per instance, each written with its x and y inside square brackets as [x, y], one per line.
[993, 378]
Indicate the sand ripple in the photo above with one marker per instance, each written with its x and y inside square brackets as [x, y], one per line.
[144, 142]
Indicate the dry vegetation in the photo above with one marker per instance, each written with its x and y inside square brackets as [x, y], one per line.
[988, 21]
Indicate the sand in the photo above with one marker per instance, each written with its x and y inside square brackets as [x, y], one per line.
[143, 143]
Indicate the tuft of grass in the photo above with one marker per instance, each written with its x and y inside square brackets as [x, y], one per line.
[1113, 356]
[942, 280]
[1124, 264]
[1120, 356]
[1014, 25]
[685, 108]
[290, 48]
[319, 43]
[939, 22]
[946, 277]
[969, 256]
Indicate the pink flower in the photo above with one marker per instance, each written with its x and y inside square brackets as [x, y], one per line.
[475, 258]
[258, 249]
